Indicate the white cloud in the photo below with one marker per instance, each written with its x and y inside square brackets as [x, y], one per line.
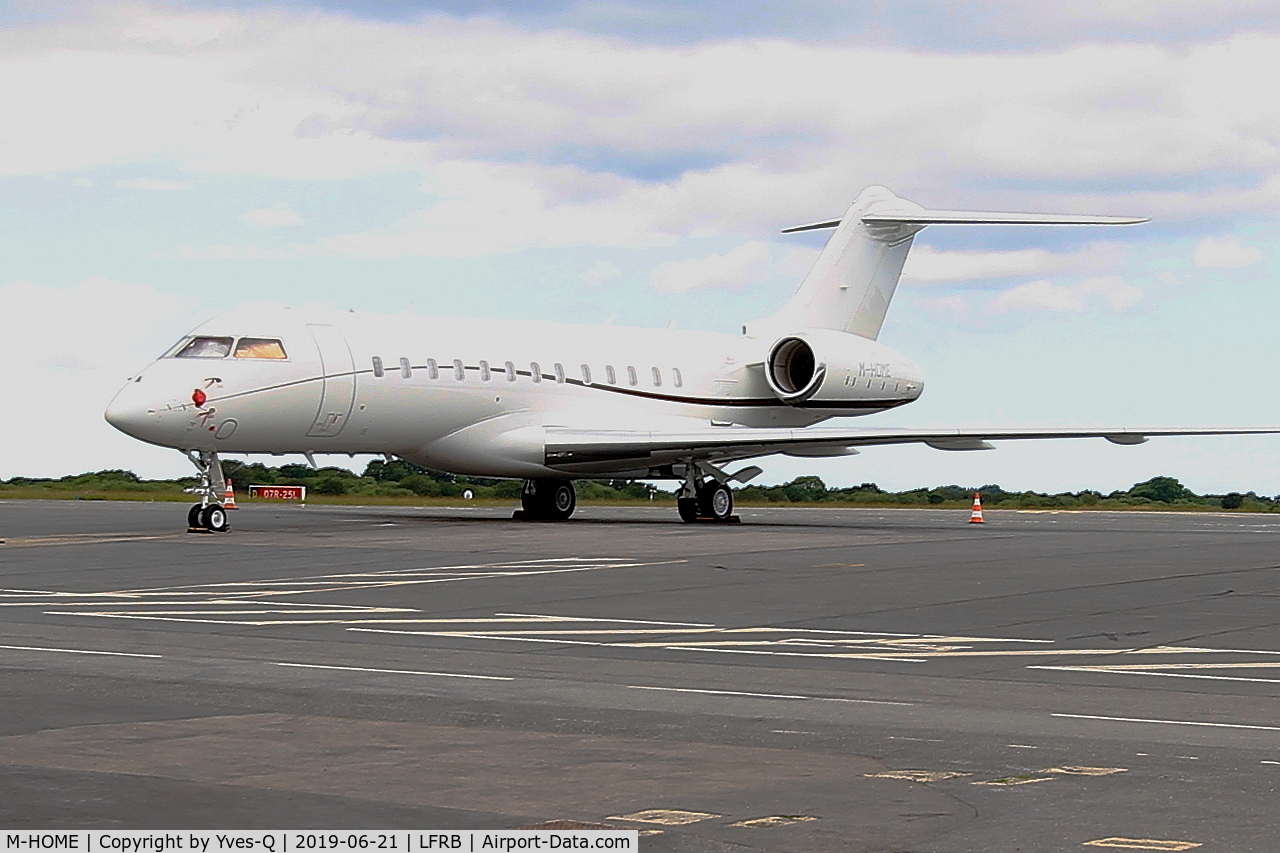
[277, 215]
[1225, 252]
[1077, 298]
[600, 273]
[753, 132]
[77, 345]
[928, 265]
[153, 184]
[745, 264]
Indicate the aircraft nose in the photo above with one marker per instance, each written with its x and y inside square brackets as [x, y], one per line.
[129, 414]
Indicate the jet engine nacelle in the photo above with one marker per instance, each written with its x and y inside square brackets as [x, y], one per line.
[826, 366]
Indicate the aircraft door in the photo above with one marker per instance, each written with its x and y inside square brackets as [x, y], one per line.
[338, 389]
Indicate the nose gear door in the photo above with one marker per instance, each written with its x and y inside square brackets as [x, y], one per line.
[338, 389]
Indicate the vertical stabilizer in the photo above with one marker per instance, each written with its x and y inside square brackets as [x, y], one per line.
[853, 280]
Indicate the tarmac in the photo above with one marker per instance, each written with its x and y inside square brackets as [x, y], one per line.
[808, 680]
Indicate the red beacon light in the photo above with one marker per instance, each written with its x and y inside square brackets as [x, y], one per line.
[198, 397]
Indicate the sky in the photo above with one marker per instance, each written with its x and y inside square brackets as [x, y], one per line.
[632, 162]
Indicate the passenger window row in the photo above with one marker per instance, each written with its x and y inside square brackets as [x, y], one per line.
[509, 372]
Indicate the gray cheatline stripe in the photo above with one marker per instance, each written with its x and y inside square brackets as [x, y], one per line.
[1168, 722]
[397, 671]
[79, 652]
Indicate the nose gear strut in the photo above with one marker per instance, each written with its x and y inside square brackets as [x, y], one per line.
[208, 516]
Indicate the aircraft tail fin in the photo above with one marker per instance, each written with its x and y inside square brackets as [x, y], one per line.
[852, 282]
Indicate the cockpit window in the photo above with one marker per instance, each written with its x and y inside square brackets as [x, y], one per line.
[205, 348]
[260, 348]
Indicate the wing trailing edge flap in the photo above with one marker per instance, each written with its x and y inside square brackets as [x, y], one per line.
[568, 448]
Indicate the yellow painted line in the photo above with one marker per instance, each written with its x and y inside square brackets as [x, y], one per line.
[86, 540]
[1143, 844]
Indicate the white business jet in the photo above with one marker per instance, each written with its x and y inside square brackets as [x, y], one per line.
[547, 402]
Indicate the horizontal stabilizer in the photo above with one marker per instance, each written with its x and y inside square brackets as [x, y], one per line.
[973, 217]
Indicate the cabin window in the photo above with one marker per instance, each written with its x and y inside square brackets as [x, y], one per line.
[559, 368]
[632, 378]
[205, 348]
[657, 378]
[676, 378]
[484, 371]
[377, 367]
[535, 372]
[609, 375]
[406, 369]
[586, 374]
[260, 348]
[433, 369]
[511, 371]
[459, 372]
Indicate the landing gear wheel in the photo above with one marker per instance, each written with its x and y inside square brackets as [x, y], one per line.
[548, 500]
[193, 516]
[688, 508]
[563, 501]
[214, 517]
[715, 501]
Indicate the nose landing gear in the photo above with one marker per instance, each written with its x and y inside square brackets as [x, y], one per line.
[208, 516]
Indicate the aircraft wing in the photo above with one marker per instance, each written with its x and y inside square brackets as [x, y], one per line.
[589, 451]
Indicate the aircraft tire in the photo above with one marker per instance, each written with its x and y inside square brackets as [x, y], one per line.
[562, 500]
[214, 517]
[688, 509]
[193, 516]
[716, 501]
[548, 500]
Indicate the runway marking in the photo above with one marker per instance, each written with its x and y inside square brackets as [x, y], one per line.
[1169, 722]
[665, 817]
[79, 651]
[1143, 844]
[921, 776]
[397, 671]
[533, 617]
[718, 692]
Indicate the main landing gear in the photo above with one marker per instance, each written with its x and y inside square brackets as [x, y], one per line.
[208, 516]
[547, 500]
[703, 499]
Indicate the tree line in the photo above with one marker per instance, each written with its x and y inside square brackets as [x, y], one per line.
[390, 480]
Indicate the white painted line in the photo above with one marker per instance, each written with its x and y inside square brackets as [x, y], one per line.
[79, 652]
[397, 671]
[719, 692]
[861, 701]
[1163, 674]
[481, 637]
[790, 654]
[621, 621]
[1269, 762]
[1169, 722]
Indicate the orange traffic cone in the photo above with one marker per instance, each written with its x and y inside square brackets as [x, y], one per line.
[975, 517]
[229, 499]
